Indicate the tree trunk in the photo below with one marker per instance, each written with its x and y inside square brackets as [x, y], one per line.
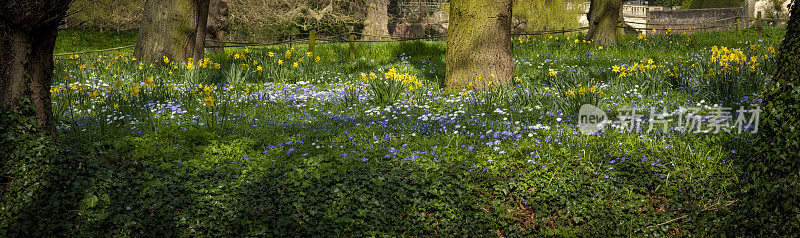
[377, 22]
[172, 28]
[782, 100]
[29, 30]
[775, 194]
[217, 25]
[479, 44]
[603, 17]
[201, 22]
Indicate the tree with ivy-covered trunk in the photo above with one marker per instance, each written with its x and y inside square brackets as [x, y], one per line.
[772, 200]
[376, 26]
[479, 44]
[175, 29]
[603, 17]
[28, 31]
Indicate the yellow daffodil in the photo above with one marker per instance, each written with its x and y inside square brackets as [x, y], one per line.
[150, 82]
[135, 90]
[209, 101]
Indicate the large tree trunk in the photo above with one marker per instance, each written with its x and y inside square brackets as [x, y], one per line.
[200, 23]
[172, 28]
[479, 44]
[603, 17]
[377, 22]
[781, 126]
[217, 26]
[28, 31]
[774, 174]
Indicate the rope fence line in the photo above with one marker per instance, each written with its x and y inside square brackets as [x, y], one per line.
[342, 38]
[95, 51]
[684, 29]
[550, 32]
[749, 19]
[691, 23]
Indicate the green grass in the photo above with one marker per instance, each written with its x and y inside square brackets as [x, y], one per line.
[298, 151]
[77, 40]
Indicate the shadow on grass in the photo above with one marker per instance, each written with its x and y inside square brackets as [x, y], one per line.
[428, 57]
[766, 202]
[372, 198]
[41, 201]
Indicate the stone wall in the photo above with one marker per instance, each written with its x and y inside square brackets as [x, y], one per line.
[636, 16]
[694, 19]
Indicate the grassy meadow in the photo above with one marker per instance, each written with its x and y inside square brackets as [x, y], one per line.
[277, 141]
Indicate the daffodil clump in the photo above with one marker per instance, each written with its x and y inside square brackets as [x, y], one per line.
[204, 63]
[734, 72]
[550, 40]
[580, 90]
[634, 70]
[582, 93]
[646, 74]
[389, 88]
[725, 60]
[286, 67]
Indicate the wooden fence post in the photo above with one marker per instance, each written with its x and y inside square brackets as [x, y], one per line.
[352, 42]
[312, 40]
[738, 25]
[758, 24]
